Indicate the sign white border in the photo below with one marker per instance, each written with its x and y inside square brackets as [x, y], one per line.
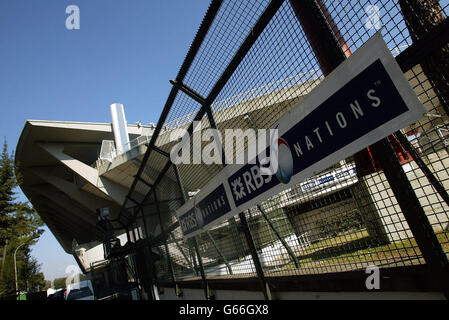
[374, 49]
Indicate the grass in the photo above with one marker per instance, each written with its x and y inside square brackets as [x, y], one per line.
[358, 249]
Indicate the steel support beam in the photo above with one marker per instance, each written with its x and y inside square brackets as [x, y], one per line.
[424, 47]
[244, 48]
[189, 91]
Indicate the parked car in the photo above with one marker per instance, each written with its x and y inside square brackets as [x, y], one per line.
[82, 290]
[50, 292]
[57, 295]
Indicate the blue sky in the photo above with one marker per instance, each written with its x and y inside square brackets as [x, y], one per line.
[125, 51]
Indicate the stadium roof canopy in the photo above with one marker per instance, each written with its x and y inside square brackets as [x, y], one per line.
[57, 161]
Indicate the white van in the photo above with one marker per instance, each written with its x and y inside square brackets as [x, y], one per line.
[80, 291]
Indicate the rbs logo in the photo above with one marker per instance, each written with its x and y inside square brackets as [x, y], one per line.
[188, 221]
[248, 182]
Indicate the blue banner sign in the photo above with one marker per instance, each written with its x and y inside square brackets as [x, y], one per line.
[365, 103]
[363, 100]
[210, 208]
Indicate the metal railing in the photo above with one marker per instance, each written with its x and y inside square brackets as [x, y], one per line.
[389, 209]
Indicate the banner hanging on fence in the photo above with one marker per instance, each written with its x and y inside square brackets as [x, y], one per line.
[363, 100]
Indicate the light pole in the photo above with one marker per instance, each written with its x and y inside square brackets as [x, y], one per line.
[15, 264]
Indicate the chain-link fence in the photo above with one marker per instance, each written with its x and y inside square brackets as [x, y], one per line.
[249, 64]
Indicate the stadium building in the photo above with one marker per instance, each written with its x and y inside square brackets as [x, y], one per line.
[110, 194]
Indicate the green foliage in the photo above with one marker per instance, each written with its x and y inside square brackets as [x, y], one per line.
[7, 282]
[332, 226]
[20, 227]
[47, 285]
[30, 276]
[26, 223]
[7, 184]
[28, 273]
[59, 283]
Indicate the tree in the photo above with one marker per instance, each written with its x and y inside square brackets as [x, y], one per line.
[60, 283]
[20, 226]
[28, 272]
[7, 206]
[48, 285]
[30, 276]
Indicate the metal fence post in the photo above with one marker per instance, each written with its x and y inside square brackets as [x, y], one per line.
[203, 275]
[169, 264]
[252, 248]
[148, 251]
[195, 243]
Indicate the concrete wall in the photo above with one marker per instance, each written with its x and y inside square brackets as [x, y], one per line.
[388, 209]
[308, 221]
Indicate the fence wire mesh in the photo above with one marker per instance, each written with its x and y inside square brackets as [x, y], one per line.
[338, 220]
